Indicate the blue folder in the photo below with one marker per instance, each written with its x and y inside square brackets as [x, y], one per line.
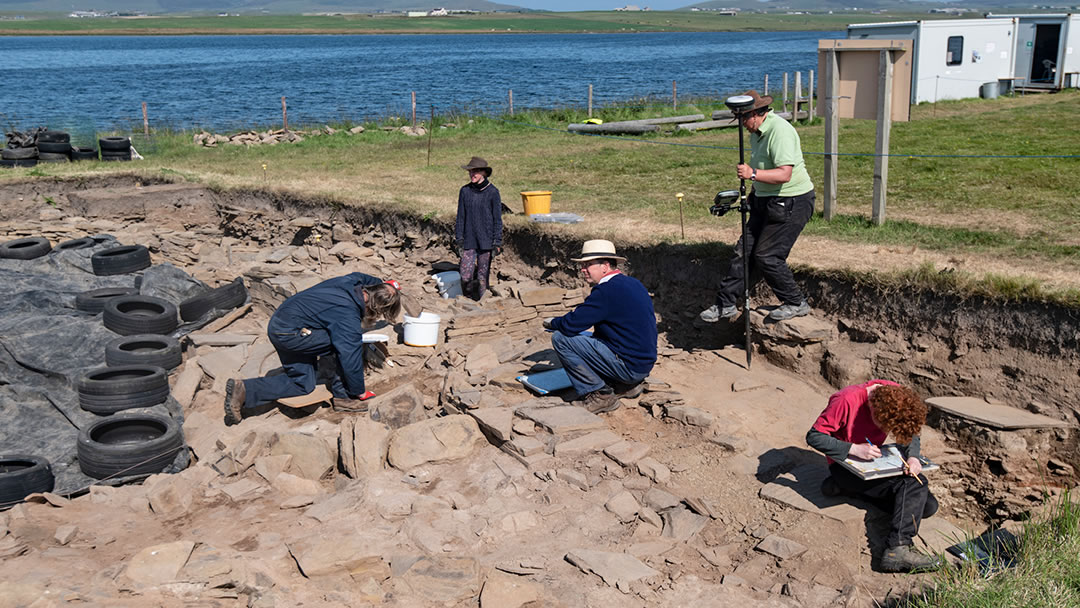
[543, 383]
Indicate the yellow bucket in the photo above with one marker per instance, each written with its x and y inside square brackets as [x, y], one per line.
[536, 201]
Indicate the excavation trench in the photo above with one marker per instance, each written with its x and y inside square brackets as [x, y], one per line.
[1023, 354]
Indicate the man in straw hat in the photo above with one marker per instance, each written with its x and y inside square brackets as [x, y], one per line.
[613, 360]
[781, 202]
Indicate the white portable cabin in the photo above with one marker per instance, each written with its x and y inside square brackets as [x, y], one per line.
[1044, 50]
[953, 58]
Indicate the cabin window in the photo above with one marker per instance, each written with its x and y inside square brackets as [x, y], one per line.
[954, 50]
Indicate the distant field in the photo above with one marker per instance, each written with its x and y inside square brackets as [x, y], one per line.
[600, 21]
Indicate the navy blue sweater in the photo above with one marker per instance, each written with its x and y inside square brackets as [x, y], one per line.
[336, 305]
[620, 312]
[479, 217]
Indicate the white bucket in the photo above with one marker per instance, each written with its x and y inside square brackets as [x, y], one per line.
[449, 283]
[422, 330]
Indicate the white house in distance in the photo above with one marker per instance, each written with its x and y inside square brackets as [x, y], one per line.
[954, 58]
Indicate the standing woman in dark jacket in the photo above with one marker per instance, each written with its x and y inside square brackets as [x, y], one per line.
[478, 230]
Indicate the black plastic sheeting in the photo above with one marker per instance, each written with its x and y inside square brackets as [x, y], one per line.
[46, 344]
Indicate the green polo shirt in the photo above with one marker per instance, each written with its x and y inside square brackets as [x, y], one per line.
[777, 144]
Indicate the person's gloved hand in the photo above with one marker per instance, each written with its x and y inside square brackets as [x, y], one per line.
[547, 323]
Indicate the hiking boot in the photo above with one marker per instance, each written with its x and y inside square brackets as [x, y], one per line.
[629, 391]
[830, 488]
[903, 558]
[353, 406]
[599, 402]
[234, 401]
[789, 311]
[714, 313]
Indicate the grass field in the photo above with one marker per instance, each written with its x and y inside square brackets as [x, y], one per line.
[958, 194]
[600, 21]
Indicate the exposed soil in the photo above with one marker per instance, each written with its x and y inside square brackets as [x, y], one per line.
[1023, 354]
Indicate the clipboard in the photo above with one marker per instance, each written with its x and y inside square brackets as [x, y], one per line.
[543, 383]
[889, 464]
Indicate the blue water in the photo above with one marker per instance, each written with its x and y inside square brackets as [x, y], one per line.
[227, 82]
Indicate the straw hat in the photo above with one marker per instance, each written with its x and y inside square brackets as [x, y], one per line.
[598, 249]
[477, 163]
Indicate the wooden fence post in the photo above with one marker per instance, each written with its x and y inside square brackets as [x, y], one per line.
[674, 96]
[784, 102]
[766, 85]
[590, 101]
[798, 95]
[884, 126]
[145, 121]
[810, 96]
[431, 127]
[284, 114]
[414, 109]
[511, 102]
[832, 129]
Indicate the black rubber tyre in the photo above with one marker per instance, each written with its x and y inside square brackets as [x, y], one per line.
[107, 390]
[133, 315]
[128, 444]
[144, 349]
[120, 260]
[95, 299]
[49, 157]
[82, 243]
[21, 475]
[25, 249]
[50, 137]
[84, 153]
[54, 147]
[18, 153]
[114, 144]
[11, 164]
[225, 297]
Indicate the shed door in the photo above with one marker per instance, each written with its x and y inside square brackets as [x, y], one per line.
[1045, 55]
[1025, 49]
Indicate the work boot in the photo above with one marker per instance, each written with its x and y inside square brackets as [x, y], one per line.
[903, 558]
[789, 311]
[714, 313]
[629, 391]
[599, 401]
[234, 401]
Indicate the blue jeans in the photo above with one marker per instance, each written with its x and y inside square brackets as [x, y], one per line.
[299, 357]
[590, 364]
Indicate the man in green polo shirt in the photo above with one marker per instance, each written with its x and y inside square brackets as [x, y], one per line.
[781, 202]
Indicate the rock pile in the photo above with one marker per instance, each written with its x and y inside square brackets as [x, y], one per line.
[277, 136]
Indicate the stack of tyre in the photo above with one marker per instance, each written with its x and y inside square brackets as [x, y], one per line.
[55, 147]
[115, 148]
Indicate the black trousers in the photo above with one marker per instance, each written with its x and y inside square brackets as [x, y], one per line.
[902, 496]
[774, 224]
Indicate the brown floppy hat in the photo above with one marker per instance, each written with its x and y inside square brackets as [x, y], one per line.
[759, 101]
[477, 163]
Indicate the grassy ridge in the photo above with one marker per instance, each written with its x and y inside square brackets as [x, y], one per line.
[1020, 213]
[599, 21]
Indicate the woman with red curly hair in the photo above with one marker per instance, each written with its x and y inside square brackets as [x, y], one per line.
[853, 425]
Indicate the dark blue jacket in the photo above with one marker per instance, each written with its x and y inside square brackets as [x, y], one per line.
[479, 217]
[337, 306]
[620, 311]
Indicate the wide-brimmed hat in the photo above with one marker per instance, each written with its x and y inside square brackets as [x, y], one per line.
[759, 100]
[598, 249]
[477, 163]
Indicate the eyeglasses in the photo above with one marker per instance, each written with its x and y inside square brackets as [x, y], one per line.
[585, 265]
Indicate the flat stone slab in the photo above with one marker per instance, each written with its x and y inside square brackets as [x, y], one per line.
[626, 453]
[800, 488]
[587, 444]
[562, 419]
[617, 569]
[781, 547]
[204, 339]
[996, 415]
[321, 394]
[937, 534]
